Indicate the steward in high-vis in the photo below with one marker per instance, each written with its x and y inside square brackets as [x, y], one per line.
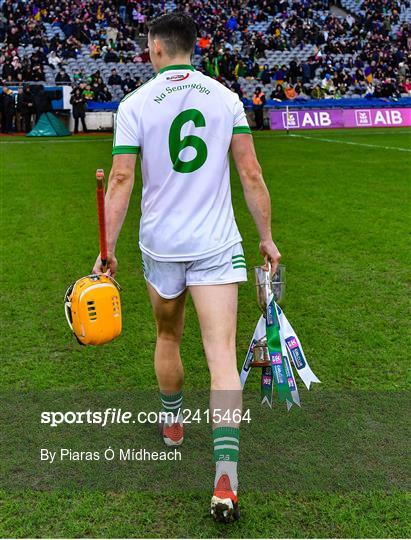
[258, 107]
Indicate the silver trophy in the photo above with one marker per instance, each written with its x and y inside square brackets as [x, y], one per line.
[266, 286]
[278, 285]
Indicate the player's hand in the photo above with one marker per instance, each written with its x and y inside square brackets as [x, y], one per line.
[110, 269]
[271, 255]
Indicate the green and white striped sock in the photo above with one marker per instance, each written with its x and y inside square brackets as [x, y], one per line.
[172, 403]
[226, 448]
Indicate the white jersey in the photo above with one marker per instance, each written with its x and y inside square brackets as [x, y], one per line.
[182, 122]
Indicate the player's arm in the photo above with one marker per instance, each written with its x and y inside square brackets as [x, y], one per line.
[256, 193]
[126, 147]
[120, 186]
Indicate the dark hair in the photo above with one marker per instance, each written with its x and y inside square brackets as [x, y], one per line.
[177, 30]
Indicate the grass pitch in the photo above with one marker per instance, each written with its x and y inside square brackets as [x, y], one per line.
[340, 218]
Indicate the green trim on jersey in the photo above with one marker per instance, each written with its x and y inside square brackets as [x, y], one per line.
[177, 66]
[241, 129]
[125, 150]
[114, 131]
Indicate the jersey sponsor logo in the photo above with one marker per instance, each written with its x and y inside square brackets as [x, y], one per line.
[179, 77]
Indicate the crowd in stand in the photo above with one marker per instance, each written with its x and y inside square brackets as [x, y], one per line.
[378, 62]
[98, 23]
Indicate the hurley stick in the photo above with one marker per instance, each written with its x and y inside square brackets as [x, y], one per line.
[101, 216]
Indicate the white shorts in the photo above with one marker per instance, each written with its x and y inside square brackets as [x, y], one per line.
[170, 279]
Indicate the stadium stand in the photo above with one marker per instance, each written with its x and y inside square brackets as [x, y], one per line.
[293, 49]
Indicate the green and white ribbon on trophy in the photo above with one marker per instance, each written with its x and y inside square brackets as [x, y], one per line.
[280, 346]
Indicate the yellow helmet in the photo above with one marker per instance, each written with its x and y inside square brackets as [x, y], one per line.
[93, 309]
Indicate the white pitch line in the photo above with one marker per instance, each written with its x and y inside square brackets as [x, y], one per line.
[51, 141]
[379, 131]
[352, 143]
[360, 132]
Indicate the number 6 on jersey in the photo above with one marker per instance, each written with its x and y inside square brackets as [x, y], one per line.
[176, 144]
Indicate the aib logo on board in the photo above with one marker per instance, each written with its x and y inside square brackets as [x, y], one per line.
[293, 120]
[178, 78]
[363, 118]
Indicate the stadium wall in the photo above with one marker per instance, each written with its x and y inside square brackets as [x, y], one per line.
[102, 118]
[302, 113]
[320, 114]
